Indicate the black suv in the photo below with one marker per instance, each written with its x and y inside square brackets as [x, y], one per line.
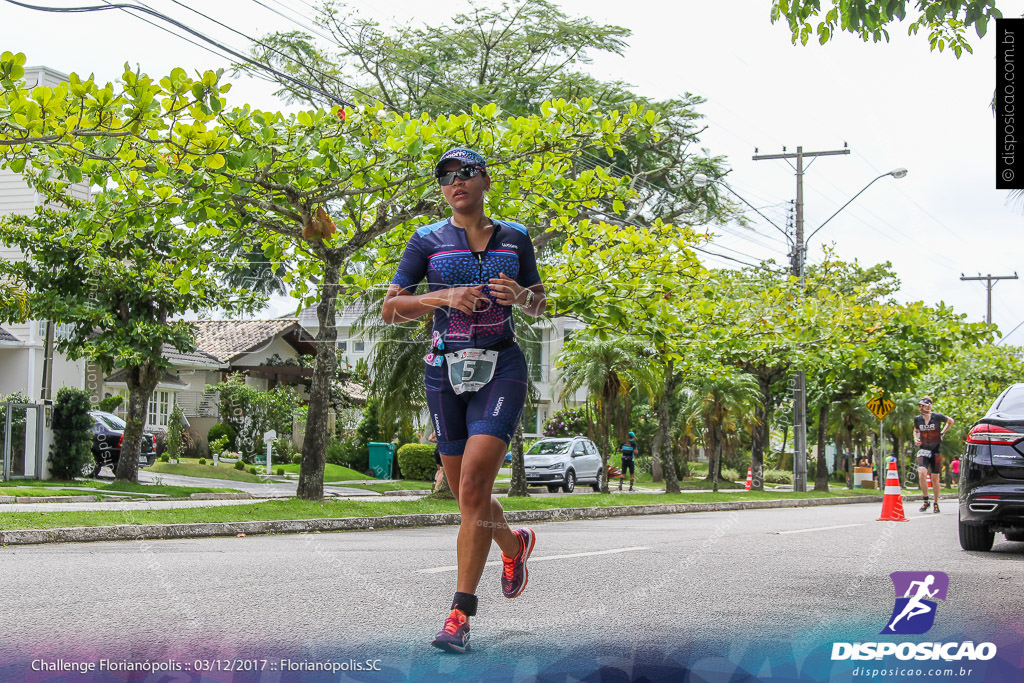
[107, 435]
[992, 474]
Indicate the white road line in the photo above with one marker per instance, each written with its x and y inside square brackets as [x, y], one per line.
[818, 528]
[438, 570]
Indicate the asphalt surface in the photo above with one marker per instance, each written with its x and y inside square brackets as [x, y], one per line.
[599, 591]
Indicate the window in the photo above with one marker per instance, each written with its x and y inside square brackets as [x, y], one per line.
[533, 350]
[567, 334]
[358, 346]
[342, 346]
[530, 421]
[160, 405]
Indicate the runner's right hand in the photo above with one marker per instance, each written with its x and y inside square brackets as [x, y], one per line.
[466, 299]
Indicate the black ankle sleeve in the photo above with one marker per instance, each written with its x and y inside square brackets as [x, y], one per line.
[465, 602]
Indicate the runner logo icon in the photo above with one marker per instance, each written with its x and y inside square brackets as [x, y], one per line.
[916, 592]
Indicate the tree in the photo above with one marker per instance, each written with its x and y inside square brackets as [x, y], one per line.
[336, 192]
[966, 383]
[517, 56]
[720, 403]
[873, 344]
[605, 368]
[946, 20]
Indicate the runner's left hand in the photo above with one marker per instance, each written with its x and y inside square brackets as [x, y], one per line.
[505, 290]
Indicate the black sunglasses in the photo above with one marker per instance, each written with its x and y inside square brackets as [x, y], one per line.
[464, 173]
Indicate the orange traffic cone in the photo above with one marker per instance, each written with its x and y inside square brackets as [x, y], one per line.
[750, 478]
[892, 503]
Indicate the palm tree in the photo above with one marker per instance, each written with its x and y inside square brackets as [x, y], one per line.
[607, 369]
[718, 404]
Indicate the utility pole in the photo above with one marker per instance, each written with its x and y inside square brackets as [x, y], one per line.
[990, 282]
[799, 255]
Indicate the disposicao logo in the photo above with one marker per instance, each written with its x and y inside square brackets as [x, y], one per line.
[914, 614]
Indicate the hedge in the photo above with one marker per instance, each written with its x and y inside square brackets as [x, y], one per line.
[416, 461]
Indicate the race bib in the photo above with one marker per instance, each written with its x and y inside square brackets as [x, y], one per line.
[924, 453]
[470, 369]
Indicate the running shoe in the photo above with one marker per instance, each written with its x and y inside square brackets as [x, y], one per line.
[925, 505]
[936, 508]
[514, 576]
[454, 637]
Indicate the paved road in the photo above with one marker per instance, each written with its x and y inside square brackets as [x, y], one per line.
[760, 588]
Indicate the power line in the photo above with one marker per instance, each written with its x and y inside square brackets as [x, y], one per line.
[184, 27]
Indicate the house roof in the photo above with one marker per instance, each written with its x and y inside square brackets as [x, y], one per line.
[226, 340]
[167, 379]
[7, 336]
[198, 358]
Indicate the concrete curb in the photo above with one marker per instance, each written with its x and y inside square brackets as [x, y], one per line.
[49, 499]
[138, 532]
[241, 495]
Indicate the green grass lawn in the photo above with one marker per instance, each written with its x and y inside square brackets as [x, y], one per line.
[332, 472]
[192, 468]
[402, 485]
[301, 509]
[46, 488]
[44, 491]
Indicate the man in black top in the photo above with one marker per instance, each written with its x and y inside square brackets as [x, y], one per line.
[929, 428]
[628, 450]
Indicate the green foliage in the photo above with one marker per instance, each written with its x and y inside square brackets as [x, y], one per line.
[729, 474]
[566, 422]
[176, 433]
[777, 477]
[966, 385]
[417, 461]
[253, 470]
[202, 461]
[110, 404]
[283, 450]
[252, 412]
[240, 466]
[946, 20]
[280, 471]
[297, 459]
[71, 449]
[218, 432]
[165, 458]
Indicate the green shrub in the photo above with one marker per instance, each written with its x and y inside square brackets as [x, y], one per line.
[165, 458]
[176, 433]
[110, 404]
[240, 466]
[252, 412]
[283, 449]
[566, 422]
[218, 431]
[417, 461]
[71, 449]
[347, 454]
[253, 470]
[280, 471]
[202, 461]
[297, 458]
[731, 475]
[777, 477]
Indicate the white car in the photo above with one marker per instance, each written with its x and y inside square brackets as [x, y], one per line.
[562, 462]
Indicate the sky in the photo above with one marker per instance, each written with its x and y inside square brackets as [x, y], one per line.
[895, 105]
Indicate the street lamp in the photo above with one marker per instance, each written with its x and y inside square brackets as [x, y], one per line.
[800, 249]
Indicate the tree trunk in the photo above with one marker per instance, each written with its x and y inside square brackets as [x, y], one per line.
[325, 367]
[664, 439]
[518, 486]
[142, 380]
[713, 467]
[759, 437]
[821, 477]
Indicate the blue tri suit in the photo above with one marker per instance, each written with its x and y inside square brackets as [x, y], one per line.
[441, 254]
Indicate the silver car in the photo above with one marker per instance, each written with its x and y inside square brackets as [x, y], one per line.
[562, 462]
